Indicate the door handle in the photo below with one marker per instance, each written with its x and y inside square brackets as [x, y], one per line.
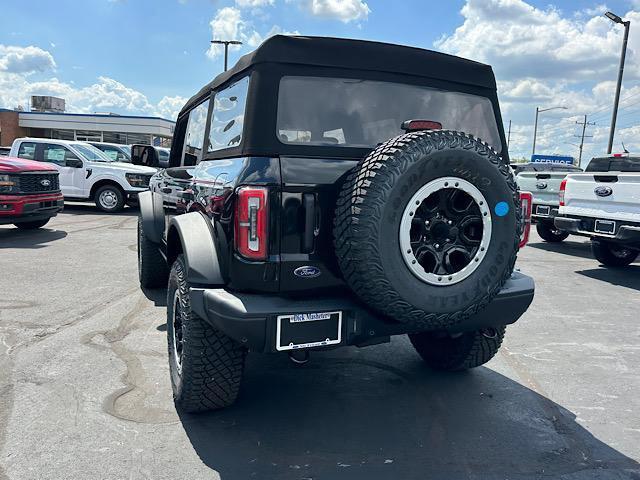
[165, 190]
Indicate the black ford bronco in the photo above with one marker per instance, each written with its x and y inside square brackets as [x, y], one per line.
[327, 192]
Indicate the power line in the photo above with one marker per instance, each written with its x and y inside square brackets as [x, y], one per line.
[607, 109]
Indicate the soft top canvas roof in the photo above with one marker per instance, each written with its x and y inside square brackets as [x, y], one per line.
[357, 55]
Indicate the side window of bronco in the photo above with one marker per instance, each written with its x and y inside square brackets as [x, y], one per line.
[194, 138]
[227, 118]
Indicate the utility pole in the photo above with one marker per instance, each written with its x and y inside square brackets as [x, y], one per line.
[535, 128]
[583, 136]
[226, 44]
[616, 19]
[509, 135]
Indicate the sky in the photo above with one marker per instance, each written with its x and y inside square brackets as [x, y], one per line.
[148, 56]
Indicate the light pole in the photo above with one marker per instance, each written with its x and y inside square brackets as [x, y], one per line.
[535, 128]
[226, 44]
[616, 19]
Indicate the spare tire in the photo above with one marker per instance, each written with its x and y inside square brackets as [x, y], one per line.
[427, 227]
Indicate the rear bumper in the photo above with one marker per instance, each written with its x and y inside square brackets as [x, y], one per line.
[537, 218]
[626, 233]
[29, 208]
[251, 318]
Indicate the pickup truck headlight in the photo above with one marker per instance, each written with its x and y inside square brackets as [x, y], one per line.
[138, 180]
[7, 184]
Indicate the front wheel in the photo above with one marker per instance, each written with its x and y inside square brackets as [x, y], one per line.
[110, 198]
[442, 351]
[611, 254]
[32, 225]
[550, 233]
[206, 365]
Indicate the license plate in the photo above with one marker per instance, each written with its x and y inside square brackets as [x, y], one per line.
[605, 226]
[543, 210]
[306, 330]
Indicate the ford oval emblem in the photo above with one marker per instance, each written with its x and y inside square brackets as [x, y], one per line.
[541, 185]
[45, 182]
[306, 271]
[603, 191]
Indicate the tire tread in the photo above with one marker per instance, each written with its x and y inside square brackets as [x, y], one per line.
[355, 239]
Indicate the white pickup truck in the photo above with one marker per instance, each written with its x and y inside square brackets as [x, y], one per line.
[604, 204]
[86, 173]
[543, 181]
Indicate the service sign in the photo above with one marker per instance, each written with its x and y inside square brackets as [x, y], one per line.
[539, 158]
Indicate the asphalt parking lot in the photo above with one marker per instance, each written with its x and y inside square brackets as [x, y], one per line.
[85, 393]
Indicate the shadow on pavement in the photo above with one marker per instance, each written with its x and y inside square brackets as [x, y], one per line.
[38, 238]
[625, 276]
[568, 247]
[157, 295]
[349, 416]
[74, 209]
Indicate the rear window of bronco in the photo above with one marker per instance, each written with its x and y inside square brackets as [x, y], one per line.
[364, 113]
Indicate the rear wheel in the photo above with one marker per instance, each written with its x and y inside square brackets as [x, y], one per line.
[611, 254]
[153, 271]
[443, 351]
[206, 365]
[109, 198]
[550, 233]
[32, 225]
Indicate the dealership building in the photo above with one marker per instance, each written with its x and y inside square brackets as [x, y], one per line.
[47, 119]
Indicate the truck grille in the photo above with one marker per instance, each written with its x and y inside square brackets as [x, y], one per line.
[38, 182]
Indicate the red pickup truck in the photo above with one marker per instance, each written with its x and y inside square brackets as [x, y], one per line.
[29, 193]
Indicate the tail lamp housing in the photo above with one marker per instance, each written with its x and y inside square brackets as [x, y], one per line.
[563, 187]
[251, 222]
[526, 201]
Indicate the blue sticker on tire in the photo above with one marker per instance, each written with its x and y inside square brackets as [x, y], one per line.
[501, 209]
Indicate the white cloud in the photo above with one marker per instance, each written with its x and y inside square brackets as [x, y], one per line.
[226, 25]
[229, 24]
[544, 58]
[256, 38]
[520, 40]
[25, 59]
[169, 107]
[344, 10]
[253, 3]
[106, 94]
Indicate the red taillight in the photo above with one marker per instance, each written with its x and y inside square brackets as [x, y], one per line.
[251, 222]
[526, 201]
[414, 125]
[563, 187]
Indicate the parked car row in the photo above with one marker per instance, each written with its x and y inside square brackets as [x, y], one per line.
[86, 172]
[602, 203]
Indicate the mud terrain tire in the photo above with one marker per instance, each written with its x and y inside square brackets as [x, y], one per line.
[206, 372]
[375, 200]
[462, 352]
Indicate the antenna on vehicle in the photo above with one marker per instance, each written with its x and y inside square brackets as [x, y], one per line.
[624, 148]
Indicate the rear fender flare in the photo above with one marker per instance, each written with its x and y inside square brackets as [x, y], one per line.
[192, 234]
[151, 215]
